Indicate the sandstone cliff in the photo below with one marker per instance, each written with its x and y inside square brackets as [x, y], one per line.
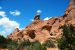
[42, 30]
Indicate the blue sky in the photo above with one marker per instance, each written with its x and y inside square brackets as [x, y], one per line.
[20, 13]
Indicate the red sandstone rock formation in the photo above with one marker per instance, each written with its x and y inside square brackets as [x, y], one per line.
[42, 30]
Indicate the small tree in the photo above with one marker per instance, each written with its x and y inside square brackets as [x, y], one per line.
[7, 43]
[49, 44]
[2, 39]
[11, 45]
[2, 42]
[67, 42]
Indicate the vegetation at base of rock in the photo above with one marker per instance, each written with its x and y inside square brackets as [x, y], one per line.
[27, 45]
[49, 44]
[67, 42]
[2, 42]
[2, 39]
[24, 45]
[7, 43]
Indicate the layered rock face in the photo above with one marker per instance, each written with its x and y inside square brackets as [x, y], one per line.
[42, 30]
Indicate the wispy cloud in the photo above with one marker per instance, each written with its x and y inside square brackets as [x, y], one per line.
[47, 18]
[15, 13]
[2, 13]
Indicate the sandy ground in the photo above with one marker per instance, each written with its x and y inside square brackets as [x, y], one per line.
[52, 48]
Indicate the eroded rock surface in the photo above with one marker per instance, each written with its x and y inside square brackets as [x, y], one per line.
[42, 30]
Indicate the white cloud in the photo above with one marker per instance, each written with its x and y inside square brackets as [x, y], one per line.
[47, 18]
[15, 13]
[2, 13]
[39, 12]
[6, 25]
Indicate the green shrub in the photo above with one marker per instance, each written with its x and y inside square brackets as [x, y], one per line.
[49, 44]
[67, 42]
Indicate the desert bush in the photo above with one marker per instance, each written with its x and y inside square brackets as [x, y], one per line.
[67, 42]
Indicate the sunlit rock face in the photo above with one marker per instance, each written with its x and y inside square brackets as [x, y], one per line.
[42, 30]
